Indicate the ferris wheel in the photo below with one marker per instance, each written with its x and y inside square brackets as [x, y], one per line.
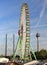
[23, 43]
[25, 30]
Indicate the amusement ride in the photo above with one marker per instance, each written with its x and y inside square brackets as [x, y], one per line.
[23, 46]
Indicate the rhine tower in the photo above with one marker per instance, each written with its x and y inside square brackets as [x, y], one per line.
[38, 41]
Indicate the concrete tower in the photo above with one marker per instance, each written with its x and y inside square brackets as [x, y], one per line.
[6, 45]
[13, 43]
[38, 41]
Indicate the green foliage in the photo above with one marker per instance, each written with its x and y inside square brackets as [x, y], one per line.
[1, 56]
[42, 54]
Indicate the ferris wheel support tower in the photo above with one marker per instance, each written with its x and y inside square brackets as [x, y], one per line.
[23, 43]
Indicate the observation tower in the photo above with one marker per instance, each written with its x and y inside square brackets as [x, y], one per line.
[38, 41]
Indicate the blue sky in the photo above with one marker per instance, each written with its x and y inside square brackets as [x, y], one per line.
[10, 18]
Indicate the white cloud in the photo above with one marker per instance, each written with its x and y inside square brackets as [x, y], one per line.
[39, 26]
[43, 9]
[41, 13]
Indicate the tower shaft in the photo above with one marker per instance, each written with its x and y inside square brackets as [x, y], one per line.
[13, 43]
[6, 46]
[38, 44]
